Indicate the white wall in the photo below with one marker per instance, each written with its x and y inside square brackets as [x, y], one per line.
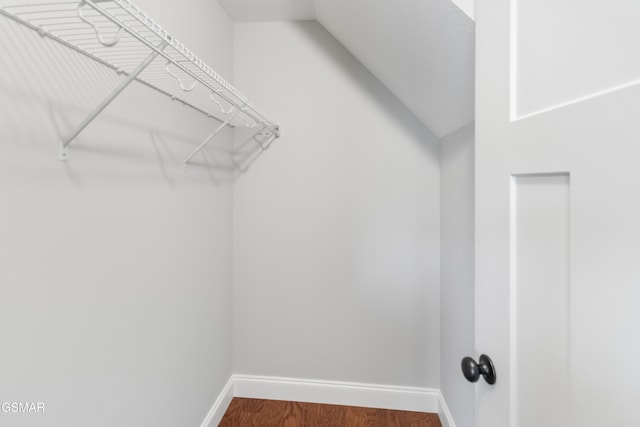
[115, 273]
[457, 293]
[336, 227]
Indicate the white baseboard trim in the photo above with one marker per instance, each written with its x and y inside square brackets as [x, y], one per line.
[443, 412]
[220, 406]
[337, 393]
[329, 392]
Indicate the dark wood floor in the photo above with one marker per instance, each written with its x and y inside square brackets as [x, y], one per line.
[275, 413]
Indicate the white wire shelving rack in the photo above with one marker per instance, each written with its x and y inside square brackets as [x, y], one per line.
[118, 35]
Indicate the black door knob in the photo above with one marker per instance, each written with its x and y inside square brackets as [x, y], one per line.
[473, 370]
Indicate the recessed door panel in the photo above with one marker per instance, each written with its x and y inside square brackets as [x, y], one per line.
[540, 309]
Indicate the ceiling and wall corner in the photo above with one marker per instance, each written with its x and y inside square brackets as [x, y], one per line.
[421, 50]
[269, 10]
[468, 7]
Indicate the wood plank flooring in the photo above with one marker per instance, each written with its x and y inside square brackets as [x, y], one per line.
[275, 413]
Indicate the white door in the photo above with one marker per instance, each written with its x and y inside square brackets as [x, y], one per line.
[558, 212]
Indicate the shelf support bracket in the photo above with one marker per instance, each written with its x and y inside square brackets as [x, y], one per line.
[105, 103]
[250, 156]
[209, 138]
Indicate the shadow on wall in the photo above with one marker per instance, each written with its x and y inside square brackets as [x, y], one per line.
[370, 85]
[48, 89]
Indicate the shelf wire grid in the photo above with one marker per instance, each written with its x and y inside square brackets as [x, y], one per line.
[119, 35]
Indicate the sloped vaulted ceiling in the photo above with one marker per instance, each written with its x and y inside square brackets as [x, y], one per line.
[422, 50]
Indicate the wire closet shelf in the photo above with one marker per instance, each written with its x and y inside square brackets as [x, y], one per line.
[118, 35]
